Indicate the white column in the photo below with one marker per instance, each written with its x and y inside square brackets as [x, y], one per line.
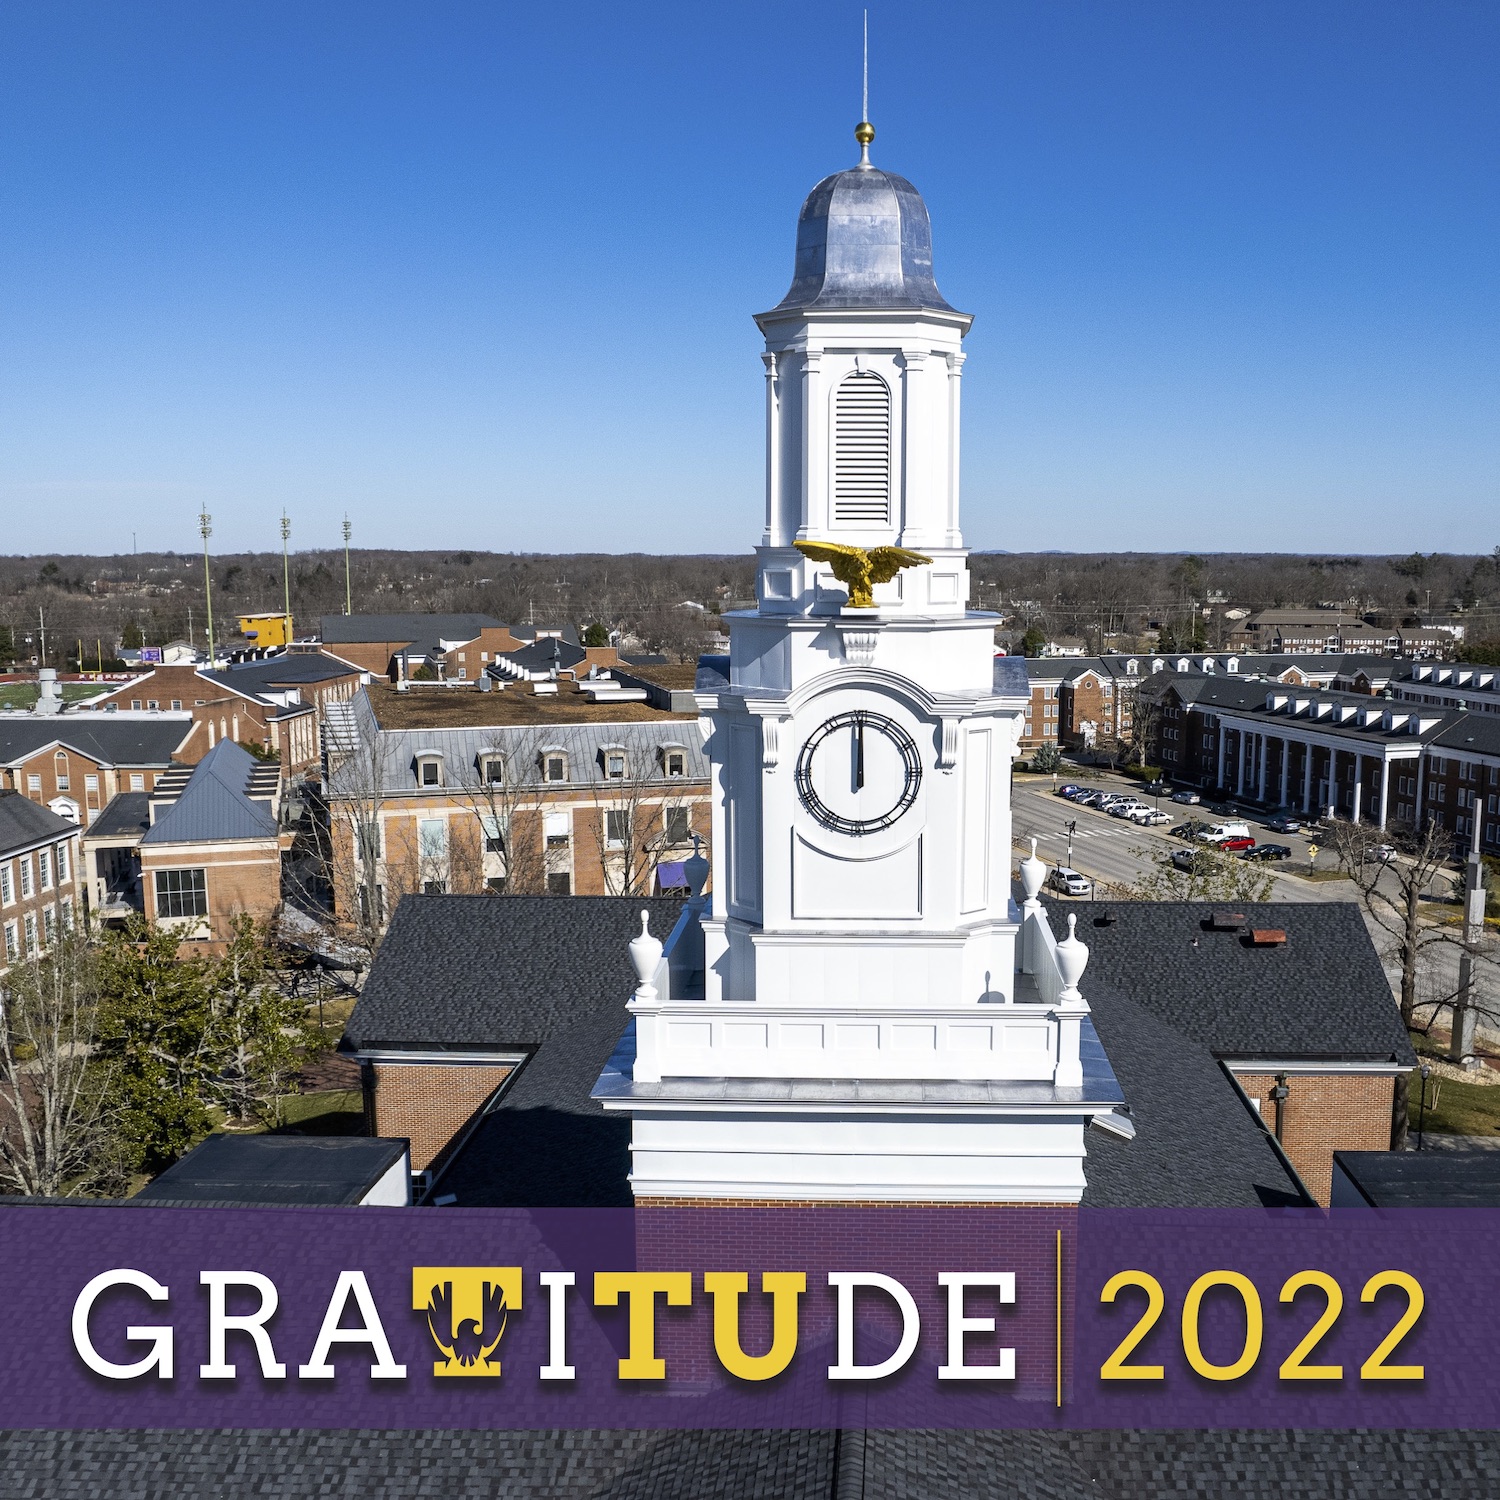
[1421, 811]
[1385, 789]
[1239, 784]
[1359, 786]
[955, 369]
[1286, 771]
[1333, 780]
[912, 506]
[814, 449]
[1265, 748]
[1219, 779]
[774, 537]
[1307, 760]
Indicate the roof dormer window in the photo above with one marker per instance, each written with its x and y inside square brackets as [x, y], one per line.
[614, 761]
[554, 763]
[430, 768]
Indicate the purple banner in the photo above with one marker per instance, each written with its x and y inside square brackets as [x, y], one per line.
[743, 1317]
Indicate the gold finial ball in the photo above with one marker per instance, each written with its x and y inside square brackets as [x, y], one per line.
[864, 132]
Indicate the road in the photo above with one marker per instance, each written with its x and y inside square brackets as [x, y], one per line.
[1112, 850]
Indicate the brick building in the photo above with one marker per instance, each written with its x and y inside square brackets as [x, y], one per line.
[275, 703]
[577, 789]
[40, 892]
[75, 763]
[456, 648]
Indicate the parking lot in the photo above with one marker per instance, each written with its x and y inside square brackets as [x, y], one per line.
[1115, 851]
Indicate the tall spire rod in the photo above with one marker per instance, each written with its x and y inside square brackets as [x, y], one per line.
[864, 132]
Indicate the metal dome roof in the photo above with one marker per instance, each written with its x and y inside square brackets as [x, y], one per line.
[864, 242]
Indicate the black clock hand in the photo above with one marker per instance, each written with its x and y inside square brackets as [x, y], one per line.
[859, 755]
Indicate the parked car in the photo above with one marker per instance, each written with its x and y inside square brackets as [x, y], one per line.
[1127, 807]
[1219, 833]
[1223, 809]
[1189, 830]
[1283, 824]
[1237, 845]
[1185, 860]
[1069, 882]
[1087, 798]
[1385, 853]
[1188, 799]
[1159, 787]
[1065, 791]
[1150, 817]
[1268, 851]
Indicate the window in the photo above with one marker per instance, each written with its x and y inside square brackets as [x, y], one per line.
[432, 837]
[49, 925]
[434, 887]
[557, 829]
[862, 451]
[137, 782]
[555, 767]
[674, 762]
[614, 764]
[560, 884]
[60, 770]
[495, 884]
[463, 672]
[91, 783]
[429, 771]
[31, 934]
[25, 876]
[44, 864]
[616, 828]
[177, 705]
[34, 783]
[181, 893]
[153, 704]
[7, 894]
[679, 828]
[492, 769]
[494, 834]
[135, 704]
[66, 911]
[12, 942]
[367, 842]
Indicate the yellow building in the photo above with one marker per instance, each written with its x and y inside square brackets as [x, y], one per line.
[267, 630]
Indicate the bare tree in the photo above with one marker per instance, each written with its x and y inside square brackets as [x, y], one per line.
[503, 852]
[359, 760]
[1391, 886]
[1208, 876]
[53, 1128]
[1140, 737]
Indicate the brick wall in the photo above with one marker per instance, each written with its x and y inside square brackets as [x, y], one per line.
[428, 1103]
[1325, 1113]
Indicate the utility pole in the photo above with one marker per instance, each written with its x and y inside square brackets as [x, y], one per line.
[205, 529]
[41, 621]
[286, 575]
[348, 591]
[1465, 1010]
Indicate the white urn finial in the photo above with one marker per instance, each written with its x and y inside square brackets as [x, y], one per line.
[1033, 876]
[1072, 960]
[645, 956]
[695, 869]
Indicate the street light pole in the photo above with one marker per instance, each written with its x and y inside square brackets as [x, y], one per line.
[348, 593]
[1426, 1073]
[286, 576]
[205, 530]
[1072, 828]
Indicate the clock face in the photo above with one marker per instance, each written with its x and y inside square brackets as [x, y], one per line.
[858, 772]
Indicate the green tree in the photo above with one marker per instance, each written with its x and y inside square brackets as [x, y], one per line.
[262, 1036]
[1046, 758]
[595, 635]
[1033, 641]
[155, 1031]
[1166, 639]
[132, 637]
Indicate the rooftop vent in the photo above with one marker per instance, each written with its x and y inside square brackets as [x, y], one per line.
[1267, 937]
[1226, 921]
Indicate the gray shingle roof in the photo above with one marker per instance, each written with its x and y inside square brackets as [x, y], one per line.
[1321, 994]
[24, 823]
[546, 973]
[255, 677]
[109, 739]
[421, 628]
[214, 806]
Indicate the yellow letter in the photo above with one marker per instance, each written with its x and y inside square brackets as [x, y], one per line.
[642, 1288]
[784, 1288]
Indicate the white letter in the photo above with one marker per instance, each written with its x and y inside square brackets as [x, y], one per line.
[370, 1331]
[220, 1323]
[557, 1366]
[160, 1338]
[959, 1325]
[846, 1281]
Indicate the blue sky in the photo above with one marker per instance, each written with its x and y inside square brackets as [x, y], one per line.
[482, 274]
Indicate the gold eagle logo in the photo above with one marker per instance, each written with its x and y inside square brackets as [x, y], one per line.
[861, 568]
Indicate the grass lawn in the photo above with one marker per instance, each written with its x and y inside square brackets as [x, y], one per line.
[331, 1112]
[23, 694]
[1453, 1107]
[1319, 875]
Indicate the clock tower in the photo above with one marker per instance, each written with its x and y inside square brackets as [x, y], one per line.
[861, 1011]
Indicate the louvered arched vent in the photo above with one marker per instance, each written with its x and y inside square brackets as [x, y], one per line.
[862, 451]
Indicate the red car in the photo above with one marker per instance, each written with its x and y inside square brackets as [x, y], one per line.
[1234, 846]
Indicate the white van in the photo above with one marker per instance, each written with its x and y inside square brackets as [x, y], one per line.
[1216, 833]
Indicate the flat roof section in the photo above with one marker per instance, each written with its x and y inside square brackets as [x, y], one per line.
[254, 1169]
[1440, 1178]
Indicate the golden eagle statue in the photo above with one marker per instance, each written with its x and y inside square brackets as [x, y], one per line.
[861, 568]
